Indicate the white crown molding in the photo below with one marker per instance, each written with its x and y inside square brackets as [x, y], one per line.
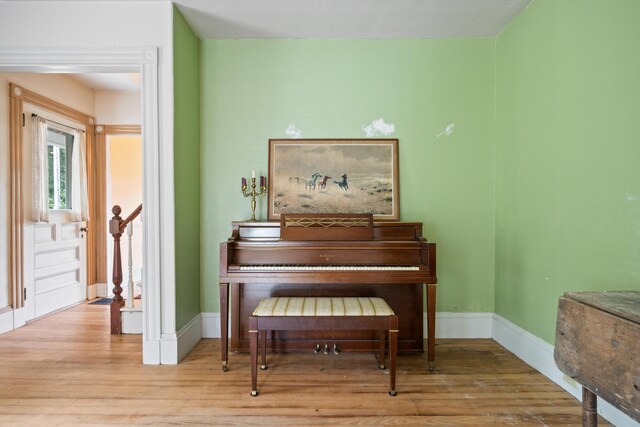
[76, 60]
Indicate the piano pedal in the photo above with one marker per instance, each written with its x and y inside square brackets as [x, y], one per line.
[317, 349]
[326, 349]
[335, 349]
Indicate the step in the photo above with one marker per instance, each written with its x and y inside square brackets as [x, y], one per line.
[132, 318]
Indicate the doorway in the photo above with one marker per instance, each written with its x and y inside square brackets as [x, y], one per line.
[156, 174]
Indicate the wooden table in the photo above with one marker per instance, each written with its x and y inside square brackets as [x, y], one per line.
[598, 345]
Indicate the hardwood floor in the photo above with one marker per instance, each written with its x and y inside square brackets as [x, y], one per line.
[66, 369]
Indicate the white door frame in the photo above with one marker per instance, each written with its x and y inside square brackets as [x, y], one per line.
[142, 60]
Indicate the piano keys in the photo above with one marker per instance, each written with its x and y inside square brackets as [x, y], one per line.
[391, 260]
[300, 267]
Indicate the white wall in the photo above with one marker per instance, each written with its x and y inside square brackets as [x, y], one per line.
[102, 25]
[53, 86]
[118, 108]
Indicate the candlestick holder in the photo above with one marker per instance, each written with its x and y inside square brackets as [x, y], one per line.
[253, 193]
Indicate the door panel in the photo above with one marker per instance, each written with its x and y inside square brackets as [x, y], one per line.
[59, 275]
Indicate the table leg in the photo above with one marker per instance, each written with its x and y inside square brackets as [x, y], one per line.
[589, 408]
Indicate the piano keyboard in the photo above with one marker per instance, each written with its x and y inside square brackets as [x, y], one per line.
[291, 267]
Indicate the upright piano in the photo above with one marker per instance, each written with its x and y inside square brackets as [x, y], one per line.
[341, 256]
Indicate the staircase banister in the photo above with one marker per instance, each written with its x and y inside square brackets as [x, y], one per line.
[131, 217]
[117, 227]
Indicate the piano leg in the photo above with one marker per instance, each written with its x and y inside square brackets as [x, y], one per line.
[393, 351]
[253, 345]
[431, 325]
[224, 325]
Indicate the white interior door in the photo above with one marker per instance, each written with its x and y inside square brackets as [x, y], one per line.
[55, 252]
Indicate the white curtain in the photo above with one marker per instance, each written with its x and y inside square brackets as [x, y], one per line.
[39, 171]
[79, 198]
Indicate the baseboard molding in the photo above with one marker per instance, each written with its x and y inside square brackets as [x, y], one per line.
[539, 355]
[6, 321]
[448, 325]
[174, 347]
[210, 325]
[92, 291]
[461, 325]
[102, 290]
[151, 352]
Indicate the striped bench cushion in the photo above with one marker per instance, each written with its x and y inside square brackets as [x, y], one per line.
[322, 306]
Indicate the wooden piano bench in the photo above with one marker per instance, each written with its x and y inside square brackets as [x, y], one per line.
[323, 314]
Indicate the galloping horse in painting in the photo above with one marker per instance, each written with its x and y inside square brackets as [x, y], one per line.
[343, 184]
[323, 184]
[310, 184]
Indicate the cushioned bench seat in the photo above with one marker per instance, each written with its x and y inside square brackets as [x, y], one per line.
[323, 313]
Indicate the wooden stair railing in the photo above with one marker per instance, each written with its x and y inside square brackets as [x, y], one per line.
[116, 227]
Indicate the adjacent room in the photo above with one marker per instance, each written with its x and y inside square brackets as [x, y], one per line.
[287, 170]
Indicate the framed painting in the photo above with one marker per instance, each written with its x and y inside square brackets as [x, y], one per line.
[338, 176]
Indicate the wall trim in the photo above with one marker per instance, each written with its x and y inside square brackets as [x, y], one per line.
[461, 325]
[211, 325]
[448, 325]
[174, 347]
[6, 320]
[538, 354]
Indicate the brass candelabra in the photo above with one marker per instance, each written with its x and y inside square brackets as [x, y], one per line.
[253, 193]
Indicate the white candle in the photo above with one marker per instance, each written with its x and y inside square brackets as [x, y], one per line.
[253, 174]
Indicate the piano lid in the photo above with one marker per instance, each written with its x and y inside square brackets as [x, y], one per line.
[326, 227]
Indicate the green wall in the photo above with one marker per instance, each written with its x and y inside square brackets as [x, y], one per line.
[568, 151]
[252, 90]
[186, 146]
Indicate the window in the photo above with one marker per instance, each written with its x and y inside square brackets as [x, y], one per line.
[59, 153]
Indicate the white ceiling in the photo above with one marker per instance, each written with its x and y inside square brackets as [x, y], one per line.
[329, 19]
[348, 19]
[116, 82]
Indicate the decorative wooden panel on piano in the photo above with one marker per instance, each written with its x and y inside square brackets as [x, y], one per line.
[394, 264]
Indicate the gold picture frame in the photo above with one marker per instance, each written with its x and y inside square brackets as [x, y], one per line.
[334, 176]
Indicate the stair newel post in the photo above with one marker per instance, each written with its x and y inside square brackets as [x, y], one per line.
[118, 302]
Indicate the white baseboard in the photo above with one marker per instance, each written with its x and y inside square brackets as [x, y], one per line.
[174, 347]
[210, 325]
[448, 325]
[461, 325]
[92, 291]
[6, 321]
[102, 290]
[539, 354]
[19, 317]
[151, 352]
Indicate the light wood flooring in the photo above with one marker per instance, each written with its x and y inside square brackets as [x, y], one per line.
[66, 369]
